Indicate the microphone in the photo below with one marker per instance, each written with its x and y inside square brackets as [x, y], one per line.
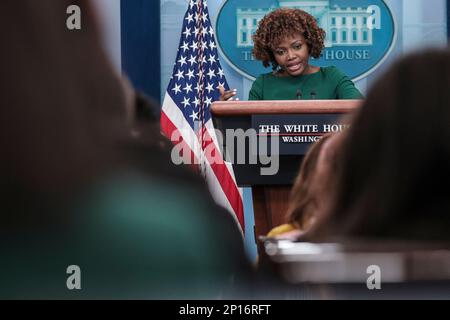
[313, 94]
[299, 95]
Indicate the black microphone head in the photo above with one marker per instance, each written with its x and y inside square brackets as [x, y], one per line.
[313, 94]
[298, 94]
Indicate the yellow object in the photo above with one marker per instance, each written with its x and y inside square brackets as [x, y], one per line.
[282, 229]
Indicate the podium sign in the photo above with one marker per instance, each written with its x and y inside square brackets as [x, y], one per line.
[296, 132]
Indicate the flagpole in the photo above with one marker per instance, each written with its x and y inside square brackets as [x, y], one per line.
[201, 85]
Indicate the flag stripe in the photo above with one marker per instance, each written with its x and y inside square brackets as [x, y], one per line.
[223, 178]
[227, 181]
[168, 130]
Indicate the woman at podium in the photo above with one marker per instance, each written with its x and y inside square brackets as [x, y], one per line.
[285, 39]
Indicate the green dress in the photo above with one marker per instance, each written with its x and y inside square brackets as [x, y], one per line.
[327, 83]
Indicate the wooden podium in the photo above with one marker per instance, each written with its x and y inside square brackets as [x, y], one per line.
[271, 192]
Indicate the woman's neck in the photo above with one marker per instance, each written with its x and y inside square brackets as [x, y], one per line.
[308, 70]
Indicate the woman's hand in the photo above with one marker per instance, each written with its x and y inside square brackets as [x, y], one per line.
[227, 95]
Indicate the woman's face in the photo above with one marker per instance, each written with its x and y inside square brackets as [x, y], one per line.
[292, 54]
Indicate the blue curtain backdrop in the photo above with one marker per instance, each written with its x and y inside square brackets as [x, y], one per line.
[448, 19]
[140, 32]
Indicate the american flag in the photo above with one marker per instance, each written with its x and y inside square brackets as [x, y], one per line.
[185, 114]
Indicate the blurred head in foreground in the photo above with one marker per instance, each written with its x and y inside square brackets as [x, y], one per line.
[74, 187]
[310, 193]
[309, 186]
[395, 161]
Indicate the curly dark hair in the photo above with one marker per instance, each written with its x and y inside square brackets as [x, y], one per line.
[281, 23]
